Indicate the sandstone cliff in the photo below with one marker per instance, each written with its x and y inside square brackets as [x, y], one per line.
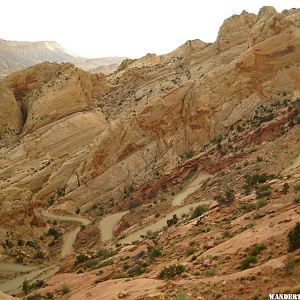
[157, 107]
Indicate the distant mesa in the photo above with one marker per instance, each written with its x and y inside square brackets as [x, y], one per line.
[15, 56]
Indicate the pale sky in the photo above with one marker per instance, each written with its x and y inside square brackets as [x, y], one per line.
[132, 28]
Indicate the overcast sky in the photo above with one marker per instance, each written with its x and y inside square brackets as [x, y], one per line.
[98, 28]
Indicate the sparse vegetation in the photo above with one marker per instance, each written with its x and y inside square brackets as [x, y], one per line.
[65, 289]
[251, 259]
[80, 258]
[27, 287]
[200, 210]
[263, 190]
[188, 154]
[294, 238]
[247, 262]
[285, 188]
[154, 252]
[54, 232]
[182, 295]
[171, 271]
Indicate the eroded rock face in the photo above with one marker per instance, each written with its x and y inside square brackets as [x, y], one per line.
[87, 138]
[11, 119]
[47, 95]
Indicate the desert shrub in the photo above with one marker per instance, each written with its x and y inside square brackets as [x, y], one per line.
[289, 265]
[229, 195]
[200, 210]
[60, 192]
[39, 254]
[21, 243]
[154, 252]
[263, 190]
[227, 198]
[172, 221]
[188, 154]
[285, 188]
[190, 250]
[104, 253]
[118, 275]
[190, 174]
[90, 263]
[258, 178]
[50, 295]
[182, 295]
[246, 262]
[53, 232]
[105, 263]
[171, 271]
[51, 201]
[136, 271]
[257, 249]
[294, 238]
[261, 203]
[80, 258]
[297, 119]
[134, 204]
[65, 289]
[247, 207]
[217, 139]
[128, 190]
[259, 159]
[26, 286]
[266, 118]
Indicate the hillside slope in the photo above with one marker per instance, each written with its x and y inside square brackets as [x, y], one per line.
[188, 158]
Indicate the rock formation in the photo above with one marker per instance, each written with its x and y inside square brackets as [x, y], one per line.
[90, 144]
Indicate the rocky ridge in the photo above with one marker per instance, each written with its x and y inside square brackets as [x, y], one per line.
[76, 143]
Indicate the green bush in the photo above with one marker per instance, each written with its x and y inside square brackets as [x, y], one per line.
[247, 207]
[90, 263]
[154, 252]
[80, 258]
[104, 253]
[294, 238]
[229, 195]
[259, 178]
[264, 190]
[200, 210]
[65, 289]
[261, 203]
[171, 271]
[245, 263]
[26, 286]
[136, 271]
[55, 233]
[257, 249]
